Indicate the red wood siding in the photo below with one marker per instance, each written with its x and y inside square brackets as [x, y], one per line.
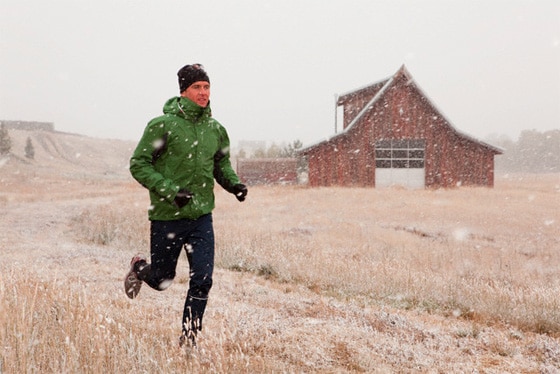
[267, 171]
[355, 101]
[401, 111]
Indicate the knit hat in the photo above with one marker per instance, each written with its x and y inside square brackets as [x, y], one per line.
[189, 74]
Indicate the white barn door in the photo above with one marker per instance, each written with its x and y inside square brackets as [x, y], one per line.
[400, 162]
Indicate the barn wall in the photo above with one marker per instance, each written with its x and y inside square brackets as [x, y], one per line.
[355, 101]
[403, 112]
[267, 171]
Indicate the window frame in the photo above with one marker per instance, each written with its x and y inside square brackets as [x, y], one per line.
[400, 153]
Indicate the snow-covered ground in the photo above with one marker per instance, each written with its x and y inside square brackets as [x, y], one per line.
[254, 323]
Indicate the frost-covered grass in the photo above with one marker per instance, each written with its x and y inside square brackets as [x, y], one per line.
[122, 227]
[489, 255]
[49, 327]
[308, 280]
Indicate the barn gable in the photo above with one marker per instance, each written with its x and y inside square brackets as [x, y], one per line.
[393, 134]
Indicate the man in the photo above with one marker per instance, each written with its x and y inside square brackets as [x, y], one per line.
[177, 159]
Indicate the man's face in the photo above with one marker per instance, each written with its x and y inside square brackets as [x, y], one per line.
[198, 92]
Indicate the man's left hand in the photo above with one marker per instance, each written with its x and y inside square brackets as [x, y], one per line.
[240, 191]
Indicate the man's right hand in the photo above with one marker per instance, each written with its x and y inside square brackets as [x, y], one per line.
[183, 197]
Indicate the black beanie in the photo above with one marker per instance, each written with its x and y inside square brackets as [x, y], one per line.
[189, 74]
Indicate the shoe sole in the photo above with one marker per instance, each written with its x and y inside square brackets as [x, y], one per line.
[132, 284]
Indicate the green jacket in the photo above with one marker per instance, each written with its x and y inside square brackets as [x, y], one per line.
[183, 148]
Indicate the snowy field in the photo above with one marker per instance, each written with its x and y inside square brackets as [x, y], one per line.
[308, 280]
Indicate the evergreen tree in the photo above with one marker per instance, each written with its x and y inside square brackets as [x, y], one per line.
[29, 150]
[5, 141]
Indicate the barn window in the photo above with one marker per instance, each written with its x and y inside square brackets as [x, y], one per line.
[400, 153]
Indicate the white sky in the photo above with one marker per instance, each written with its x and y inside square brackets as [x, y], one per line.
[104, 68]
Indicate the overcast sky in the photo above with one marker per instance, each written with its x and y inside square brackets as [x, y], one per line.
[104, 68]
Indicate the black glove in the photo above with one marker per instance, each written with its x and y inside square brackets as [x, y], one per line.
[183, 197]
[240, 191]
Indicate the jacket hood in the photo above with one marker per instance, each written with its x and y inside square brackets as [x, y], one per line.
[183, 107]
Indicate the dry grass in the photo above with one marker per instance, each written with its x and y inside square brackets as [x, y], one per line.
[485, 255]
[309, 280]
[60, 329]
[125, 227]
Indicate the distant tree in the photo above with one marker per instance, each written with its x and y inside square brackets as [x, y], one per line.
[505, 161]
[29, 150]
[551, 151]
[274, 151]
[259, 153]
[533, 152]
[5, 141]
[242, 153]
[291, 149]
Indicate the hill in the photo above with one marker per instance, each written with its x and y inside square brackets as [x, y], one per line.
[67, 155]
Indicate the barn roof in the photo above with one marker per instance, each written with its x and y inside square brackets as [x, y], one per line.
[378, 89]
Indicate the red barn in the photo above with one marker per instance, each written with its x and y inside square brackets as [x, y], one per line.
[254, 171]
[394, 135]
